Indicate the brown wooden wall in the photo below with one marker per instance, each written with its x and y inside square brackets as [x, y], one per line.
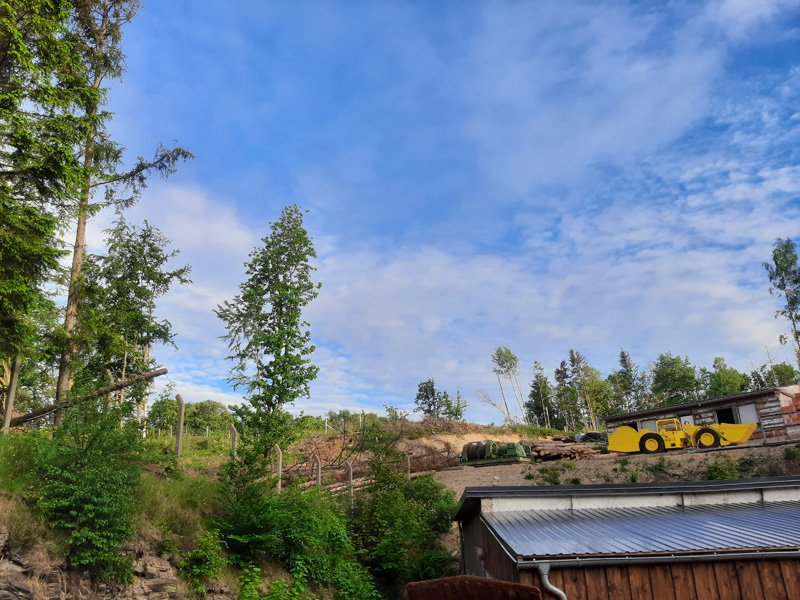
[734, 580]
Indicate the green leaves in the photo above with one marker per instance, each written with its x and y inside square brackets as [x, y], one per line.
[784, 277]
[89, 479]
[268, 339]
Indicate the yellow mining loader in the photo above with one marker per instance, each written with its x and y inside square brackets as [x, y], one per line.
[670, 434]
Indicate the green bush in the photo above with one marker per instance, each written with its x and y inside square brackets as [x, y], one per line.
[204, 563]
[728, 468]
[89, 476]
[304, 530]
[396, 526]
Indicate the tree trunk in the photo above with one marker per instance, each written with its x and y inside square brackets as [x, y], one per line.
[502, 393]
[43, 412]
[63, 384]
[12, 391]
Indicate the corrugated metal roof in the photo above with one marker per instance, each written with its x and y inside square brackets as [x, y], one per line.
[696, 404]
[626, 531]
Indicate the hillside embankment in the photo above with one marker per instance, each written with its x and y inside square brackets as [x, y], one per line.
[176, 508]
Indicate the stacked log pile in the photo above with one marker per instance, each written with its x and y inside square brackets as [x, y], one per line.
[544, 450]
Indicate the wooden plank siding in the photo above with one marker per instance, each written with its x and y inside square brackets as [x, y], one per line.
[724, 580]
[495, 560]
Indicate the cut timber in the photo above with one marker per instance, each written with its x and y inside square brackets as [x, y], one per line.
[43, 412]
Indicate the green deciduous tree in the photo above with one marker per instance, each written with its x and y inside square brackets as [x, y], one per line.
[505, 365]
[267, 336]
[784, 278]
[674, 379]
[117, 308]
[214, 415]
[724, 380]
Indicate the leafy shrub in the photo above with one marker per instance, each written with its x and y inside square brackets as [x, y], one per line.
[204, 563]
[250, 583]
[89, 478]
[728, 468]
[396, 526]
[660, 466]
[304, 530]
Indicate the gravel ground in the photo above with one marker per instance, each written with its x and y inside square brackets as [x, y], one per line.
[677, 465]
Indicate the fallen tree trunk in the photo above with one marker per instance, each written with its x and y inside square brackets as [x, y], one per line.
[43, 412]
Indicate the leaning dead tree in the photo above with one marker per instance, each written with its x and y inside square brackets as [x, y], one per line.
[43, 412]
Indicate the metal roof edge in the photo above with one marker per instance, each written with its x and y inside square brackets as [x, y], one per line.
[470, 501]
[606, 561]
[695, 403]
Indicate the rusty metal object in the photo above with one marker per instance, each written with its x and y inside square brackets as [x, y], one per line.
[470, 587]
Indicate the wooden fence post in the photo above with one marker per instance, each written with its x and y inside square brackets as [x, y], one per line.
[350, 480]
[318, 462]
[181, 414]
[280, 466]
[234, 435]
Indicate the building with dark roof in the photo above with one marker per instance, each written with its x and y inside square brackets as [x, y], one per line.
[712, 539]
[776, 410]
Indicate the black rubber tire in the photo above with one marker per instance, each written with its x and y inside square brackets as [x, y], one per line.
[651, 437]
[705, 431]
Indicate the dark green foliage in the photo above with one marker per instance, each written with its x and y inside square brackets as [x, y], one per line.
[792, 453]
[29, 252]
[204, 563]
[541, 406]
[429, 400]
[396, 526]
[305, 530]
[89, 477]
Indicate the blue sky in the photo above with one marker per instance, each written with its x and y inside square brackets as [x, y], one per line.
[540, 175]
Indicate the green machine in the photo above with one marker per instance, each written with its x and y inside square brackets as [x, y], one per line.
[487, 452]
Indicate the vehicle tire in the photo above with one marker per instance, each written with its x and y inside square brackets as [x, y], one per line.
[707, 438]
[650, 443]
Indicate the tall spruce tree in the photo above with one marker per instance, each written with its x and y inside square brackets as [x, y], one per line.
[269, 341]
[95, 33]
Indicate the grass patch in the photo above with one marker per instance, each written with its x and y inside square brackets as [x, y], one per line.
[792, 453]
[730, 468]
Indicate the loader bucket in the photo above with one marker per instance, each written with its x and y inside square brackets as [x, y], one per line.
[735, 434]
[624, 439]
